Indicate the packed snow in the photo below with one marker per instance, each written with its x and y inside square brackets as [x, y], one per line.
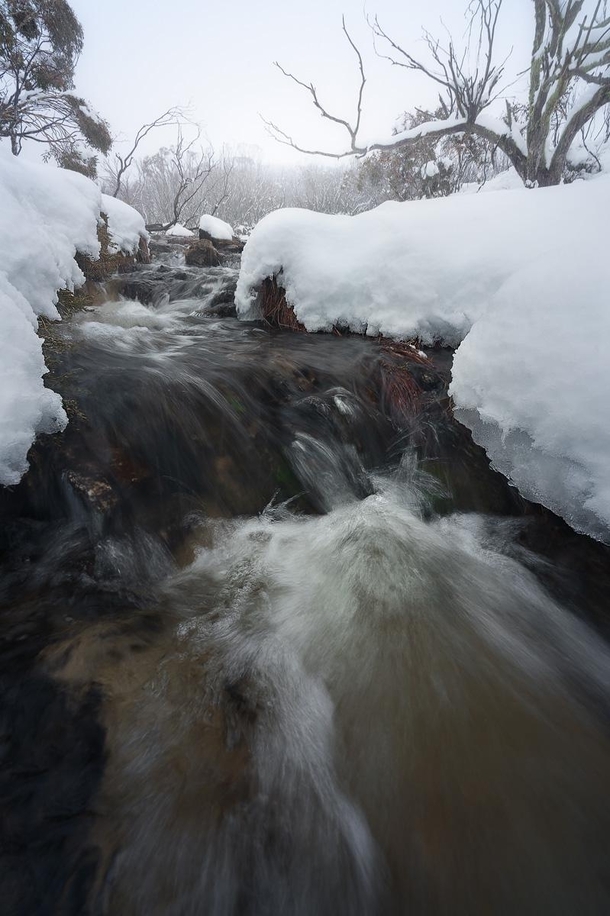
[179, 231]
[518, 277]
[217, 228]
[46, 215]
[531, 382]
[125, 225]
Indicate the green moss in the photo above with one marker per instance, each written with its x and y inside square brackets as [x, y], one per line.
[109, 262]
[69, 303]
[286, 480]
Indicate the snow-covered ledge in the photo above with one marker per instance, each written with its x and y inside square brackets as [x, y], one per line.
[518, 280]
[46, 216]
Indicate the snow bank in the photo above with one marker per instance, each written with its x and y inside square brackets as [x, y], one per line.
[217, 228]
[504, 181]
[46, 215]
[26, 406]
[180, 231]
[521, 277]
[425, 268]
[125, 225]
[531, 382]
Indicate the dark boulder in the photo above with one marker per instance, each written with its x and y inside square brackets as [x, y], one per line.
[202, 254]
[232, 245]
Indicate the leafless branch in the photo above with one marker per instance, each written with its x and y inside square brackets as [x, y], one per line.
[176, 115]
[352, 129]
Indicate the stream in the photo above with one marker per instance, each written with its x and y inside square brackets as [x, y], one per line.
[276, 639]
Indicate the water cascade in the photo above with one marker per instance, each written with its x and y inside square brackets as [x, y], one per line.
[276, 639]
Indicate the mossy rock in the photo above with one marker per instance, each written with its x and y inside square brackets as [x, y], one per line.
[110, 262]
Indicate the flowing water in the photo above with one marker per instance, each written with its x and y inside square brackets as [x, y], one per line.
[273, 639]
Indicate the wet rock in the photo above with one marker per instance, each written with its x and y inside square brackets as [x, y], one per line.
[97, 493]
[234, 245]
[274, 308]
[157, 247]
[111, 262]
[143, 254]
[202, 254]
[223, 305]
[138, 288]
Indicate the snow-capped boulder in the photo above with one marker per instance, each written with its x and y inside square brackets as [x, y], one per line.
[214, 229]
[126, 229]
[517, 280]
[179, 231]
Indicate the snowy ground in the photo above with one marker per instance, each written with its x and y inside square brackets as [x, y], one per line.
[519, 279]
[46, 215]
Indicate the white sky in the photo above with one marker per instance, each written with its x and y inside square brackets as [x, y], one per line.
[140, 57]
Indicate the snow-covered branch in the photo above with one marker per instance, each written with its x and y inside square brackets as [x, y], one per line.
[571, 48]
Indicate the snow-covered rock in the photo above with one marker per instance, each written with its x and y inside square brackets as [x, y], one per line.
[126, 226]
[216, 228]
[46, 215]
[519, 276]
[426, 268]
[179, 231]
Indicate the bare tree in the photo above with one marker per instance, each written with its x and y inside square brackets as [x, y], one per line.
[170, 184]
[192, 168]
[221, 188]
[117, 169]
[570, 54]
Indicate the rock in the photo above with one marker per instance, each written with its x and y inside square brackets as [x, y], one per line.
[271, 301]
[202, 254]
[157, 247]
[233, 244]
[111, 262]
[139, 288]
[143, 254]
[96, 492]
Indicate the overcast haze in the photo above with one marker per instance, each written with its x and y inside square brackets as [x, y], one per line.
[140, 58]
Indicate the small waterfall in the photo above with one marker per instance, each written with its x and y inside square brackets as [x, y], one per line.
[291, 621]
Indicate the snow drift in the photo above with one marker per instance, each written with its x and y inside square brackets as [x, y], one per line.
[46, 215]
[517, 278]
